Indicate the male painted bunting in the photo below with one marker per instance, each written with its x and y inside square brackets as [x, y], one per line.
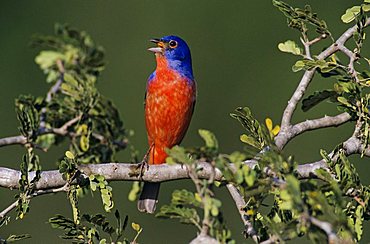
[169, 104]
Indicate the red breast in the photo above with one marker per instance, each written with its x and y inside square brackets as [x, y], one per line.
[169, 105]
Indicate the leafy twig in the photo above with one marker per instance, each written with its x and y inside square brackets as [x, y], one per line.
[286, 126]
[37, 193]
[54, 89]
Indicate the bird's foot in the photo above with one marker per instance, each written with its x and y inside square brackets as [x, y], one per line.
[144, 163]
[142, 166]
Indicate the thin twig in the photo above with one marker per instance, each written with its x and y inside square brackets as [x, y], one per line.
[54, 89]
[37, 193]
[352, 59]
[63, 130]
[307, 44]
[241, 204]
[326, 227]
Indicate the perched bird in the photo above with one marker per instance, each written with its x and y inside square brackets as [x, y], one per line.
[169, 104]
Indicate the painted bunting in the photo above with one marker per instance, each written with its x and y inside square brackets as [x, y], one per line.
[169, 104]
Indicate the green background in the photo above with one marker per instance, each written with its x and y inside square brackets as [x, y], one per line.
[235, 61]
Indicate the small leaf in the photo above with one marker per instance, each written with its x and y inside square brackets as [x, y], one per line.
[344, 101]
[14, 238]
[237, 157]
[84, 143]
[135, 190]
[46, 59]
[276, 130]
[350, 14]
[135, 226]
[69, 155]
[209, 138]
[179, 155]
[249, 140]
[290, 47]
[298, 66]
[268, 123]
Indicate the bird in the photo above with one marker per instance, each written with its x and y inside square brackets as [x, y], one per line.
[169, 105]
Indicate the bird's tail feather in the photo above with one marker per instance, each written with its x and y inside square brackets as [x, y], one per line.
[148, 197]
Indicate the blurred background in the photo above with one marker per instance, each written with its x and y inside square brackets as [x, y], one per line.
[236, 63]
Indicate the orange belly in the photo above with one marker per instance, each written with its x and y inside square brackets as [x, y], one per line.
[169, 106]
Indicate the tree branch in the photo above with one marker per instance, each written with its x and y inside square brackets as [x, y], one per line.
[156, 173]
[326, 227]
[37, 193]
[326, 121]
[283, 137]
[159, 173]
[12, 140]
[63, 130]
[240, 204]
[54, 89]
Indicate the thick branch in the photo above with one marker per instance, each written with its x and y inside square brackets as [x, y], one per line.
[156, 173]
[326, 121]
[159, 173]
[293, 101]
[12, 140]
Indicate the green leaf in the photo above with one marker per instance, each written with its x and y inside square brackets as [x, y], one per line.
[250, 175]
[135, 227]
[184, 215]
[249, 140]
[179, 155]
[299, 18]
[46, 141]
[14, 238]
[69, 155]
[134, 193]
[46, 59]
[209, 138]
[84, 143]
[72, 195]
[184, 197]
[359, 221]
[350, 14]
[286, 203]
[344, 101]
[257, 136]
[237, 157]
[290, 46]
[298, 66]
[107, 199]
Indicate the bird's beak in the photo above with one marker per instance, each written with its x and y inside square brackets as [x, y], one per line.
[159, 48]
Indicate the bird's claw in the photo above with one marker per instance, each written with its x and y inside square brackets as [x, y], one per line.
[143, 165]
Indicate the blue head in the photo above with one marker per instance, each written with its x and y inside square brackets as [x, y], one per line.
[176, 52]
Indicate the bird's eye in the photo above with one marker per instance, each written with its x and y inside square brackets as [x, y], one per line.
[173, 44]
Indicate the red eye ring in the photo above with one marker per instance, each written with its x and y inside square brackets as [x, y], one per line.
[172, 44]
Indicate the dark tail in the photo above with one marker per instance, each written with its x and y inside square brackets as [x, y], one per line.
[148, 198]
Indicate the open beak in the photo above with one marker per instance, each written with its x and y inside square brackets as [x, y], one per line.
[159, 48]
